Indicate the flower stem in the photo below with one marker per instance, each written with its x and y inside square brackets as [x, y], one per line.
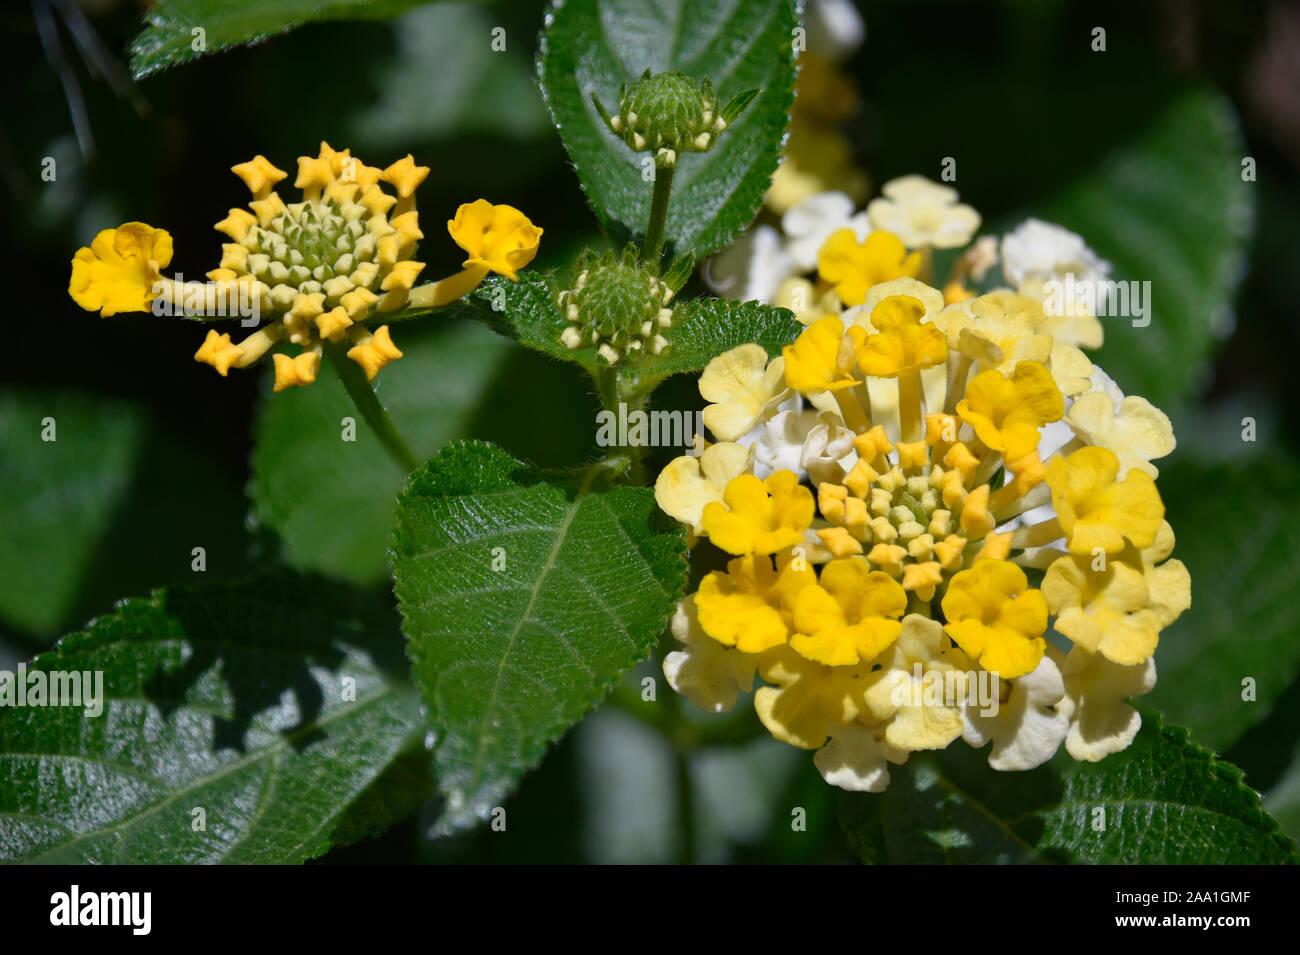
[654, 233]
[367, 402]
[615, 391]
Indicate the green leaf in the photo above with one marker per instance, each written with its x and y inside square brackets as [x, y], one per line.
[593, 46]
[169, 36]
[1283, 800]
[508, 659]
[93, 512]
[465, 88]
[527, 311]
[1165, 801]
[331, 500]
[1238, 532]
[270, 704]
[1170, 208]
[702, 328]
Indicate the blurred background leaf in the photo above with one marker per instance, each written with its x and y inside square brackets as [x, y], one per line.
[331, 501]
[168, 38]
[111, 506]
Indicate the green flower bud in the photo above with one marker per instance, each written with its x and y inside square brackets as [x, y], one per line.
[617, 304]
[671, 113]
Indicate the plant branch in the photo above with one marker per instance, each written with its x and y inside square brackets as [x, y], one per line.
[367, 402]
[654, 233]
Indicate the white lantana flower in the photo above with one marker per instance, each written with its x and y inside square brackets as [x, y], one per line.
[857, 757]
[1042, 250]
[704, 671]
[1096, 702]
[752, 267]
[809, 224]
[923, 213]
[1036, 253]
[835, 28]
[780, 440]
[1027, 727]
[828, 452]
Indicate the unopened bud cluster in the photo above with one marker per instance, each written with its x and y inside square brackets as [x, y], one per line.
[667, 113]
[618, 305]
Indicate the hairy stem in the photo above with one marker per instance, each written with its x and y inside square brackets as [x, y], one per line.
[367, 402]
[654, 233]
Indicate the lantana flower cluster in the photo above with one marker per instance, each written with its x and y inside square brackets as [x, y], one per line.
[322, 271]
[940, 517]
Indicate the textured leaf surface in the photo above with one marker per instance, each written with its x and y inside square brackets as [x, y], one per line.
[508, 659]
[591, 46]
[1165, 801]
[1170, 208]
[331, 500]
[702, 328]
[1238, 531]
[231, 699]
[168, 38]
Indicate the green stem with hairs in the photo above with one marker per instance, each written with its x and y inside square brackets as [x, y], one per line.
[615, 390]
[654, 233]
[367, 402]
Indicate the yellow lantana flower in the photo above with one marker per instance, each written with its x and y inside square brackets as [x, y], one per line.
[689, 483]
[743, 389]
[749, 607]
[1097, 511]
[919, 717]
[760, 517]
[995, 617]
[1006, 413]
[121, 269]
[1118, 607]
[850, 614]
[817, 361]
[808, 701]
[903, 343]
[1136, 433]
[852, 267]
[497, 238]
[931, 505]
[316, 272]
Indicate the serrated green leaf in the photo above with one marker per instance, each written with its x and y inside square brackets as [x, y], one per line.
[331, 500]
[592, 46]
[1164, 800]
[271, 704]
[702, 328]
[169, 36]
[1169, 208]
[508, 659]
[1238, 532]
[527, 311]
[93, 512]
